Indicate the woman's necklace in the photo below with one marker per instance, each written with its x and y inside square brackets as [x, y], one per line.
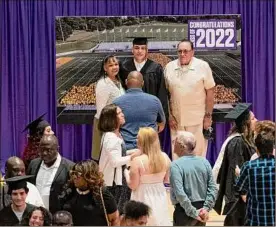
[83, 192]
[116, 82]
[117, 132]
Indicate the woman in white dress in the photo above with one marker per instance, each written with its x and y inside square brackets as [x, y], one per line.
[147, 176]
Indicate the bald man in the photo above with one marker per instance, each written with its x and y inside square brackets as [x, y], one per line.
[140, 110]
[193, 190]
[51, 172]
[14, 166]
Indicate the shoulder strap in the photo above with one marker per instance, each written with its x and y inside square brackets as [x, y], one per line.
[105, 212]
[101, 147]
[142, 164]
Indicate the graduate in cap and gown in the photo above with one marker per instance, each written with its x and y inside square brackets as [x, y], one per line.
[153, 75]
[238, 150]
[37, 129]
[18, 210]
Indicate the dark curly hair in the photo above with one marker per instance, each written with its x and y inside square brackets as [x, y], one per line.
[135, 210]
[47, 216]
[31, 150]
[91, 174]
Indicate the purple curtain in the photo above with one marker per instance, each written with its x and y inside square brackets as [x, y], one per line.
[27, 62]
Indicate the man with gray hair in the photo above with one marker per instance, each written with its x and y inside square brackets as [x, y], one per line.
[193, 190]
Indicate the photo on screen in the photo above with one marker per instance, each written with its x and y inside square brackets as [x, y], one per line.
[83, 42]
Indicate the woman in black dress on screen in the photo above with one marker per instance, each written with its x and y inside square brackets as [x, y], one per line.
[86, 198]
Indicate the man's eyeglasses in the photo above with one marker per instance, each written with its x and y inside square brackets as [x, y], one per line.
[46, 150]
[183, 51]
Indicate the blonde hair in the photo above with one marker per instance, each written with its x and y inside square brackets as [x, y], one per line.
[148, 142]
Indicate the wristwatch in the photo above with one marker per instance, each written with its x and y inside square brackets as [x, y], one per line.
[208, 114]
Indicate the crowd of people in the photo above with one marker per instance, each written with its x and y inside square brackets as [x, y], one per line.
[124, 183]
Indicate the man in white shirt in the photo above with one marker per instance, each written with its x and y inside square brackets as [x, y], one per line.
[191, 95]
[51, 172]
[14, 166]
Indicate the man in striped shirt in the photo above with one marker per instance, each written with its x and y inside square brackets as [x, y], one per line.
[257, 178]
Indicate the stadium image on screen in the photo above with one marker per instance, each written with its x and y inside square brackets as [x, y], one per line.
[83, 42]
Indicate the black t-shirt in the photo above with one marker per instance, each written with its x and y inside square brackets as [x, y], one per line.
[88, 211]
[9, 218]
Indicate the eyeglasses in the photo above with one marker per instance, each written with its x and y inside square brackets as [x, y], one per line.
[46, 150]
[183, 51]
[75, 173]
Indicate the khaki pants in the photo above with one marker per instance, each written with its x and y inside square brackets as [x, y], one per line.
[96, 140]
[201, 142]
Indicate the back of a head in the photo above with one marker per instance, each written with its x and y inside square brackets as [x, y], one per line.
[265, 126]
[49, 139]
[265, 142]
[148, 142]
[108, 120]
[62, 218]
[135, 210]
[185, 143]
[147, 138]
[135, 80]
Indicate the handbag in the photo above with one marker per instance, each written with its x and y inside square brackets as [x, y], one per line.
[105, 213]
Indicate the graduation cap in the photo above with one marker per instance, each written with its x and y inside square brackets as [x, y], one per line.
[140, 40]
[17, 182]
[238, 112]
[38, 125]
